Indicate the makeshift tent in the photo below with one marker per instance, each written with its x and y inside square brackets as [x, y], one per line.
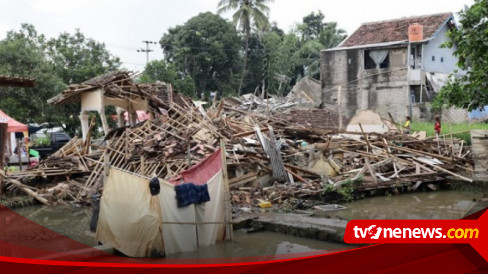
[13, 125]
[138, 224]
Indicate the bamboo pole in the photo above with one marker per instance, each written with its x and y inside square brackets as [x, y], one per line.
[366, 138]
[19, 154]
[444, 170]
[228, 211]
[29, 192]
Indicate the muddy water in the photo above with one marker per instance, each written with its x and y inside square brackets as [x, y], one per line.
[69, 221]
[419, 205]
[74, 223]
[259, 244]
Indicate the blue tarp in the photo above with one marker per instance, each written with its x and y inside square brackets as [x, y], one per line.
[479, 114]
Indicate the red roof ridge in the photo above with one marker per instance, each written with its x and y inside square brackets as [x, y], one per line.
[406, 18]
[394, 30]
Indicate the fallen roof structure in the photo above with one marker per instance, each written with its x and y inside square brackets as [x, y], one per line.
[8, 81]
[120, 90]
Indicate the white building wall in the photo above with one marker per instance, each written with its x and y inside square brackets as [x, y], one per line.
[437, 59]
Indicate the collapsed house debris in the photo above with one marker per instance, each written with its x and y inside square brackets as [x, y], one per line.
[280, 156]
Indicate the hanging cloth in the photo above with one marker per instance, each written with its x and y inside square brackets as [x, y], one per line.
[378, 56]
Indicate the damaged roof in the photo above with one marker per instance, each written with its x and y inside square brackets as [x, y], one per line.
[8, 81]
[395, 30]
[312, 117]
[119, 84]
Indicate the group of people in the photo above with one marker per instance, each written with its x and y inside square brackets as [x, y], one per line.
[437, 126]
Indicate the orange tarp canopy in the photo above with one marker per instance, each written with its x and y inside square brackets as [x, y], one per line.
[13, 125]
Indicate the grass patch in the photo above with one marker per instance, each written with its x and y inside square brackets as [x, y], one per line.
[447, 128]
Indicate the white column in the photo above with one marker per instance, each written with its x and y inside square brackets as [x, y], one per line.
[84, 124]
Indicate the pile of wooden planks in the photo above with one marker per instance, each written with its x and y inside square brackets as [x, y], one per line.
[270, 156]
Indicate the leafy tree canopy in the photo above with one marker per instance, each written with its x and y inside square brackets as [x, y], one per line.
[161, 70]
[315, 35]
[22, 55]
[77, 58]
[53, 63]
[205, 48]
[471, 43]
[247, 14]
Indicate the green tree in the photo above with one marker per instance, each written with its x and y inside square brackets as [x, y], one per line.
[22, 55]
[315, 35]
[54, 63]
[161, 70]
[307, 58]
[471, 42]
[205, 49]
[279, 66]
[248, 14]
[312, 25]
[331, 36]
[77, 58]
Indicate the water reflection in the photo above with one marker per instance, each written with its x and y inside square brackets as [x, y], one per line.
[259, 244]
[422, 205]
[74, 223]
[68, 221]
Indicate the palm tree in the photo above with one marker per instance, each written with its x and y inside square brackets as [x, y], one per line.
[248, 14]
[331, 36]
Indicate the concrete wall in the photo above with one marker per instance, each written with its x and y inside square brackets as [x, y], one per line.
[444, 61]
[346, 83]
[454, 115]
[347, 87]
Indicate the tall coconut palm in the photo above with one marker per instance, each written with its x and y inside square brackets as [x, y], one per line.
[248, 14]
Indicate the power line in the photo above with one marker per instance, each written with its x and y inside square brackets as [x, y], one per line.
[147, 50]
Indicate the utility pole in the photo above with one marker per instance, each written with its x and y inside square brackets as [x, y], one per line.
[147, 50]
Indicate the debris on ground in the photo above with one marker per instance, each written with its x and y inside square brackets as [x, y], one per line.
[278, 153]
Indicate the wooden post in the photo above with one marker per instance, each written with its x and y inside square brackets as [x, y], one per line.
[87, 144]
[19, 154]
[365, 137]
[393, 121]
[3, 140]
[106, 167]
[227, 207]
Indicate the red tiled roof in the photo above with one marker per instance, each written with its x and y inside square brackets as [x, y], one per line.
[394, 30]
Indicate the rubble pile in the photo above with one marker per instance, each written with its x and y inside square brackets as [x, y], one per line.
[277, 154]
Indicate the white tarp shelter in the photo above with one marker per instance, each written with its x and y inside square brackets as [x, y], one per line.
[138, 224]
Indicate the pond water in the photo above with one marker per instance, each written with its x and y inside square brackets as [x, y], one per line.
[444, 204]
[74, 223]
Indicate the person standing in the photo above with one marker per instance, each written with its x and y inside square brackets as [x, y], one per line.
[437, 127]
[406, 126]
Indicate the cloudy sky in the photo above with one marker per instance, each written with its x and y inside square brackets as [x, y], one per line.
[123, 24]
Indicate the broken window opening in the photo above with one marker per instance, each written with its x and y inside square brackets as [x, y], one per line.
[369, 62]
[417, 94]
[416, 56]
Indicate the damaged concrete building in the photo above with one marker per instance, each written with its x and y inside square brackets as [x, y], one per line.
[395, 66]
